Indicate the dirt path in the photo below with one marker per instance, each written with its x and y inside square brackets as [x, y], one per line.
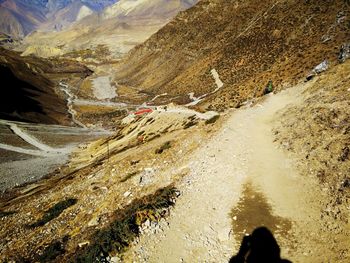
[31, 140]
[219, 84]
[237, 169]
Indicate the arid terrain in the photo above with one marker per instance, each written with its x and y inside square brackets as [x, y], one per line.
[175, 151]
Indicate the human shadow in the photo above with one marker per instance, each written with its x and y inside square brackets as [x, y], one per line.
[259, 247]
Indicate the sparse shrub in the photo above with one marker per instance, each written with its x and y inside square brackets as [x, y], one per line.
[164, 147]
[190, 124]
[55, 249]
[120, 233]
[212, 119]
[128, 176]
[6, 213]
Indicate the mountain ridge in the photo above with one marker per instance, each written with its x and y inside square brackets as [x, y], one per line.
[119, 30]
[43, 12]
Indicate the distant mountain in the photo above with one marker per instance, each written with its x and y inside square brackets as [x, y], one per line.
[65, 16]
[147, 8]
[118, 27]
[54, 5]
[98, 5]
[20, 17]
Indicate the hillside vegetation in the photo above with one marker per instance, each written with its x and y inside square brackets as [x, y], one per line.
[247, 42]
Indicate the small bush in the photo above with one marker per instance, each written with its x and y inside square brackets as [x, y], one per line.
[190, 124]
[128, 176]
[5, 213]
[164, 147]
[212, 119]
[55, 249]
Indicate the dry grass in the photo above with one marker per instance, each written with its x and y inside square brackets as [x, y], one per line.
[124, 228]
[248, 43]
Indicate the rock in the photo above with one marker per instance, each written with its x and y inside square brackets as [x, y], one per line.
[93, 222]
[224, 234]
[146, 177]
[149, 170]
[127, 194]
[115, 260]
[85, 243]
[147, 223]
[321, 67]
[344, 53]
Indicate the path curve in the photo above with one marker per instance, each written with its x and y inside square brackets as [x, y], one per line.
[201, 227]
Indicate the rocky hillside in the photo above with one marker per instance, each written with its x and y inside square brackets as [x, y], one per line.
[246, 42]
[317, 133]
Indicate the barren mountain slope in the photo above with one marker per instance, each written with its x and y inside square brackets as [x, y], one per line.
[147, 8]
[64, 17]
[30, 91]
[317, 133]
[247, 42]
[19, 18]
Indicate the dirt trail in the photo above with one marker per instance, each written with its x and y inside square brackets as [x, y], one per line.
[202, 226]
[30, 139]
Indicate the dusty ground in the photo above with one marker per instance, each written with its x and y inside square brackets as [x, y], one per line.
[317, 134]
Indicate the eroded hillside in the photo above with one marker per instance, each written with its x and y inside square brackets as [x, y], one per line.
[317, 133]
